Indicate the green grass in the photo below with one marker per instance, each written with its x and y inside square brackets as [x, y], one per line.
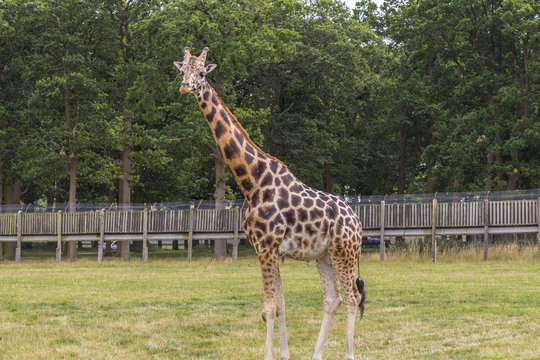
[169, 309]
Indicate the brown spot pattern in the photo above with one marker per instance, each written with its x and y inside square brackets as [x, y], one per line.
[231, 150]
[210, 115]
[268, 195]
[240, 170]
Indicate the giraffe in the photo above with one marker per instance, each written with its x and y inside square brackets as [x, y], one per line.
[284, 218]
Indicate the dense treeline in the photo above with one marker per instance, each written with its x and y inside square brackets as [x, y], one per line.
[417, 96]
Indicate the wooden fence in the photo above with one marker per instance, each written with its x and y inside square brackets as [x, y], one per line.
[400, 219]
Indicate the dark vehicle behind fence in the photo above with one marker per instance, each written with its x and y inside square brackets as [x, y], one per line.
[374, 242]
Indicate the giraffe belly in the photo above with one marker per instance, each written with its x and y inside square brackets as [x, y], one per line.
[303, 247]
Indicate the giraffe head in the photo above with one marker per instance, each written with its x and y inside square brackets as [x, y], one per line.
[193, 71]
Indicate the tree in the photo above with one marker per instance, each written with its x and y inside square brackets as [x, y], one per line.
[67, 94]
[128, 69]
[16, 83]
[474, 55]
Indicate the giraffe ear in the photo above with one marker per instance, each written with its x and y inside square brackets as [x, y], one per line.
[210, 67]
[178, 65]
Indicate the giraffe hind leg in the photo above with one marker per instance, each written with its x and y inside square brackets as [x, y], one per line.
[332, 300]
[348, 285]
[274, 304]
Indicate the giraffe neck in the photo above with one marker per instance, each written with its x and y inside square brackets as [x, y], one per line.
[251, 167]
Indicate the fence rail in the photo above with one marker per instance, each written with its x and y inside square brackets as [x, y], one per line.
[400, 219]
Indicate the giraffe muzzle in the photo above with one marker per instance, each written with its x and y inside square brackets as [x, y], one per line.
[184, 89]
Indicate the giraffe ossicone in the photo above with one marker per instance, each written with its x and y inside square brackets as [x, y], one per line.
[285, 217]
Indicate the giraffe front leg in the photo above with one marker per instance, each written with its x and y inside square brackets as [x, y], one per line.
[268, 318]
[268, 314]
[282, 328]
[273, 294]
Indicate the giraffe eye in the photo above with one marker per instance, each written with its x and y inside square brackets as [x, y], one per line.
[202, 74]
[181, 73]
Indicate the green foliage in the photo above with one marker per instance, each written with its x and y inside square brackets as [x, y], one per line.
[475, 61]
[419, 95]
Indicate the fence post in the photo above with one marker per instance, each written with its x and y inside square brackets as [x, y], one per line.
[59, 236]
[101, 235]
[235, 243]
[19, 238]
[486, 228]
[433, 231]
[190, 234]
[382, 243]
[145, 237]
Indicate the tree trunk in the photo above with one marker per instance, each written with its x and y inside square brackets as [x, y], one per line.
[498, 161]
[430, 185]
[493, 158]
[125, 187]
[513, 177]
[122, 16]
[1, 183]
[125, 192]
[72, 245]
[402, 174]
[327, 178]
[16, 193]
[489, 181]
[402, 171]
[12, 197]
[220, 246]
[71, 129]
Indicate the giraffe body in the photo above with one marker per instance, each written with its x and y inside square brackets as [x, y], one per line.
[306, 221]
[285, 217]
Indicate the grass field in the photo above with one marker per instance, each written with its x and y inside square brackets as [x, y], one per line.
[169, 309]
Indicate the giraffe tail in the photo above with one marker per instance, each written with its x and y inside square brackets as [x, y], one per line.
[360, 287]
